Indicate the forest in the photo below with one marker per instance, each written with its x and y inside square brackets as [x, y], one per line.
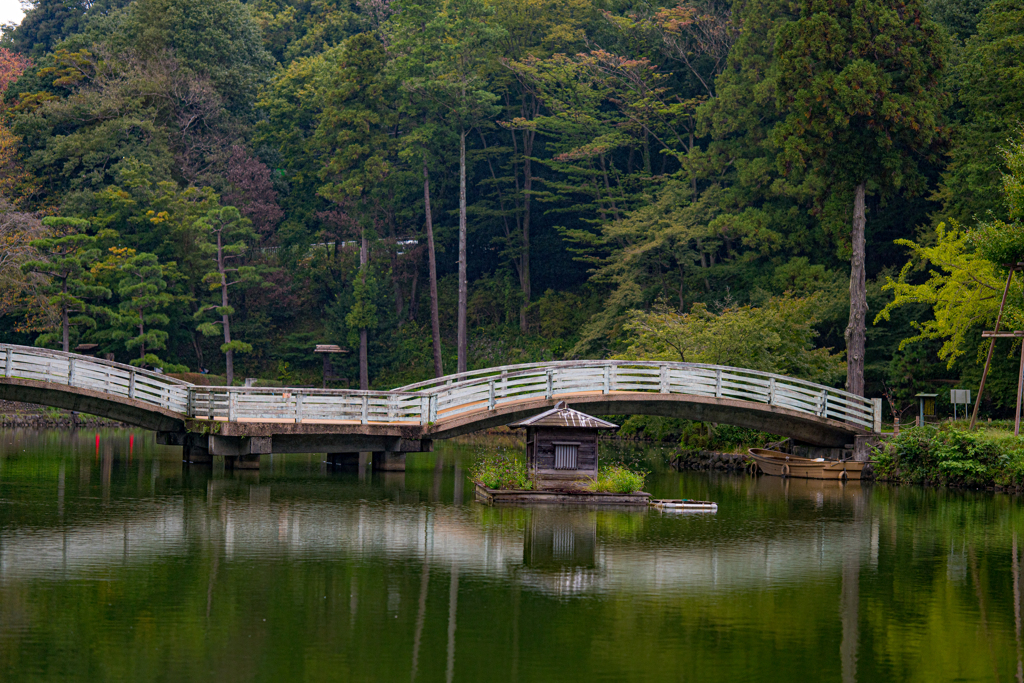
[829, 189]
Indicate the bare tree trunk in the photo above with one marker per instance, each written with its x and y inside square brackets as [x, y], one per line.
[229, 355]
[524, 270]
[199, 351]
[463, 343]
[856, 329]
[364, 360]
[435, 322]
[399, 303]
[65, 321]
[413, 306]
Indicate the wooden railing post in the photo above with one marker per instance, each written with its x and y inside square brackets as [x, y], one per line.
[298, 408]
[490, 395]
[424, 410]
[71, 372]
[9, 362]
[366, 409]
[607, 379]
[771, 391]
[551, 385]
[718, 383]
[433, 407]
[131, 385]
[231, 405]
[824, 403]
[663, 387]
[877, 406]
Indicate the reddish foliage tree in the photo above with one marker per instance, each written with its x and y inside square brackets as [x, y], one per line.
[12, 65]
[251, 190]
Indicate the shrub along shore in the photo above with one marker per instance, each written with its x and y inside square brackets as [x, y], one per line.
[952, 456]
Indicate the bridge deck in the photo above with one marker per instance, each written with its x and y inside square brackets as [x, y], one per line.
[444, 407]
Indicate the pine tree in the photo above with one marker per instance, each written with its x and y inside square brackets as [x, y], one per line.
[66, 258]
[228, 235]
[144, 297]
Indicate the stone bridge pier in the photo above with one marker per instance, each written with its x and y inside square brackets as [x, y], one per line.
[241, 451]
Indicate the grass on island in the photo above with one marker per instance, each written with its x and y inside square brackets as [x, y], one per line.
[505, 471]
[502, 471]
[618, 479]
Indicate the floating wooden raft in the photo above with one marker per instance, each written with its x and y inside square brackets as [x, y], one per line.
[684, 505]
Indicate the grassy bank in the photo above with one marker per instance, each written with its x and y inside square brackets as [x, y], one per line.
[952, 456]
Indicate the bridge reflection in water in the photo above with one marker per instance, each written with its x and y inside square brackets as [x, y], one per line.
[549, 549]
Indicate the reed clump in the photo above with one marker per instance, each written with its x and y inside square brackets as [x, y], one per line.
[618, 479]
[502, 471]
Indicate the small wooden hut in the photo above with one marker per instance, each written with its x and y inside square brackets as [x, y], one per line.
[561, 446]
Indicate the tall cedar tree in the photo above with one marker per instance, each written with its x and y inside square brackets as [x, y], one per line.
[443, 46]
[356, 131]
[66, 257]
[859, 87]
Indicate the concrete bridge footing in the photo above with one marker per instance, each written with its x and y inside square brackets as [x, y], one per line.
[388, 461]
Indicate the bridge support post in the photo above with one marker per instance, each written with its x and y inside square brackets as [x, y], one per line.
[862, 446]
[195, 450]
[388, 461]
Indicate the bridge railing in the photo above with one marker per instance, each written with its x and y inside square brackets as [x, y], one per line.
[441, 399]
[74, 370]
[487, 389]
[309, 406]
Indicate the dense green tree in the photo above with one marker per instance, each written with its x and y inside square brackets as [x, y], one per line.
[48, 22]
[64, 260]
[959, 17]
[859, 85]
[776, 337]
[987, 81]
[219, 39]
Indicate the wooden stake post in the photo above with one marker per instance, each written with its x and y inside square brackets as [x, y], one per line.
[1020, 377]
[991, 346]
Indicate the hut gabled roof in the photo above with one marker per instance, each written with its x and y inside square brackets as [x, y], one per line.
[564, 416]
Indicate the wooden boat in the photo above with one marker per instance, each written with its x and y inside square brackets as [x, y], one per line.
[778, 464]
[684, 505]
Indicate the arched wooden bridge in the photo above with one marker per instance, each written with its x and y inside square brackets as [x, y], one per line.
[241, 421]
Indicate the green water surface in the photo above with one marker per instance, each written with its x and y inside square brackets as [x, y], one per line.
[119, 564]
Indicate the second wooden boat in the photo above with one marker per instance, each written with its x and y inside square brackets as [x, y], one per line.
[778, 464]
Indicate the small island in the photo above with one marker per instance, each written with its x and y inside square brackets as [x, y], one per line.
[561, 465]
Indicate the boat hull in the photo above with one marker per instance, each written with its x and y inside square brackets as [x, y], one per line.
[684, 505]
[776, 464]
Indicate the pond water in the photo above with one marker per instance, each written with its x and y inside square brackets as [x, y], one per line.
[118, 564]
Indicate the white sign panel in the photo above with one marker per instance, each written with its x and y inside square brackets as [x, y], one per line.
[960, 396]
